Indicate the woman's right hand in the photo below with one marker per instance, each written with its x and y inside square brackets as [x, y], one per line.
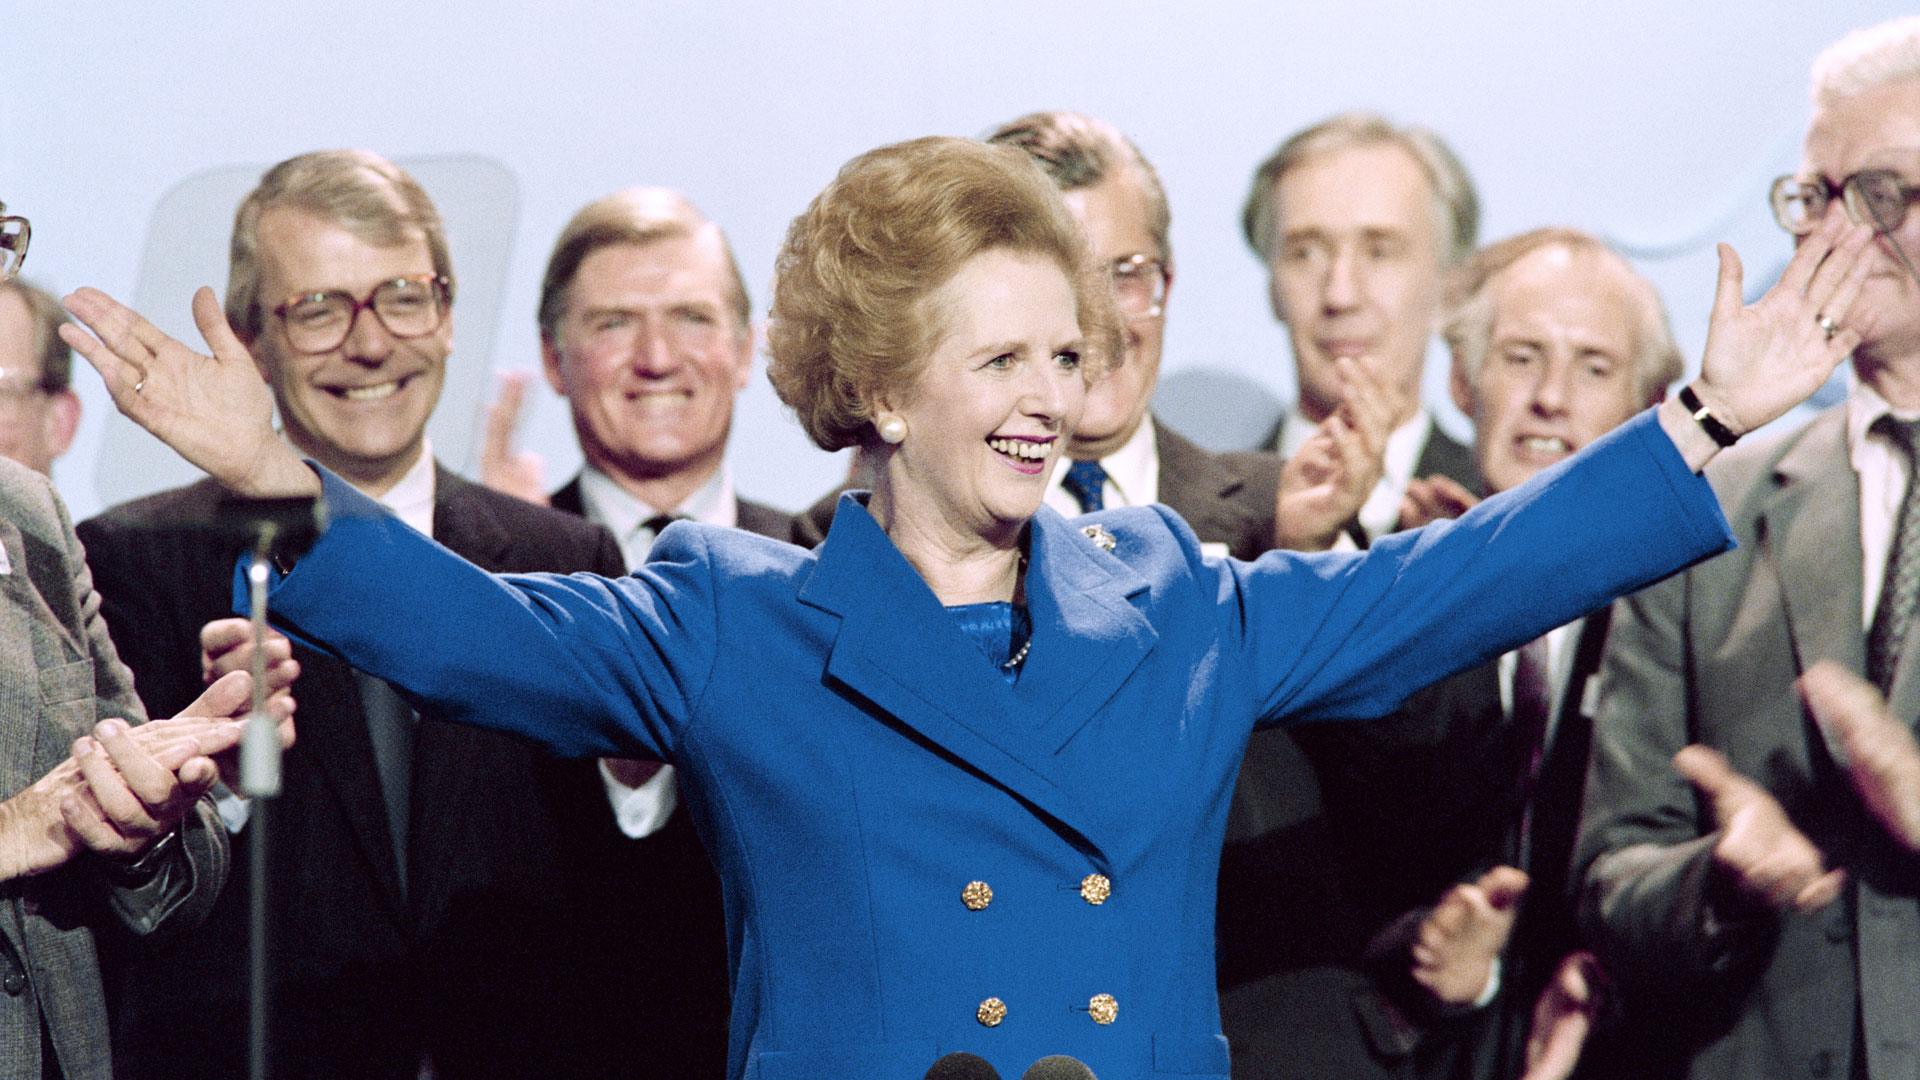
[215, 411]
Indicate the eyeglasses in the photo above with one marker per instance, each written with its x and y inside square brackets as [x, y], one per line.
[1139, 285]
[408, 307]
[14, 234]
[1876, 197]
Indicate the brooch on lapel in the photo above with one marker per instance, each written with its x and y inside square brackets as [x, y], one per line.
[1101, 538]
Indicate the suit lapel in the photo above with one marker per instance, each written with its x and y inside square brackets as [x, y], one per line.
[1809, 530]
[1195, 485]
[344, 751]
[901, 650]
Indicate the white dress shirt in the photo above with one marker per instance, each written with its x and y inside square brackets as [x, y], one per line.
[1882, 469]
[644, 810]
[1381, 512]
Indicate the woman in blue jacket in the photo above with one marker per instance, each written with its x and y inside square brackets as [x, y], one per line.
[964, 769]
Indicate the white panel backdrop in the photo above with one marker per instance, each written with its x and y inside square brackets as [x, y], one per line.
[1655, 124]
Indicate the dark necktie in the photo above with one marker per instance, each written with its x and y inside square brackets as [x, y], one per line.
[1532, 708]
[1901, 583]
[390, 727]
[1087, 482]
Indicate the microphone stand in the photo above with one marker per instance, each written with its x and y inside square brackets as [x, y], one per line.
[260, 782]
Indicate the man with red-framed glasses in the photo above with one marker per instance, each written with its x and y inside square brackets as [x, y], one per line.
[419, 881]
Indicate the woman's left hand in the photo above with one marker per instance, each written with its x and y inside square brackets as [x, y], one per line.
[1766, 357]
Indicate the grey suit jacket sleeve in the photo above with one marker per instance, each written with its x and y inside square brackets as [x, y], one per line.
[1648, 899]
[186, 886]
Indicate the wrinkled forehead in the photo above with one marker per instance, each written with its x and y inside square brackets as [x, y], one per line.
[1878, 128]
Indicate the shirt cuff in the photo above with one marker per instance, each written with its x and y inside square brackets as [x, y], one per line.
[641, 811]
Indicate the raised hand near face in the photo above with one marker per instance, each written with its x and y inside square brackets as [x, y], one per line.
[1768, 860]
[215, 411]
[1324, 484]
[520, 473]
[1435, 498]
[1766, 357]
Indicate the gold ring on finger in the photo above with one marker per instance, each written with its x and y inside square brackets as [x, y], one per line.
[1826, 323]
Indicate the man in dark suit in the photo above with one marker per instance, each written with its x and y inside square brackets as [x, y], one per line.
[1556, 341]
[646, 330]
[1357, 220]
[420, 884]
[1121, 454]
[1718, 816]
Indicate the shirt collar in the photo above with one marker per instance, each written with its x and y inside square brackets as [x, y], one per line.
[615, 507]
[411, 500]
[1133, 472]
[1864, 406]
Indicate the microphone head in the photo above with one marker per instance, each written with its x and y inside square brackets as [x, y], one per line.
[1058, 1067]
[962, 1066]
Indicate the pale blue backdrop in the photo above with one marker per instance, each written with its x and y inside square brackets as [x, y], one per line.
[127, 129]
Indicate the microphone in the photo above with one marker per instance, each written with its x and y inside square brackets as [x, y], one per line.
[962, 1066]
[1058, 1067]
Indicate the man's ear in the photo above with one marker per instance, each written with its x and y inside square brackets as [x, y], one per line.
[1460, 386]
[744, 345]
[550, 363]
[62, 420]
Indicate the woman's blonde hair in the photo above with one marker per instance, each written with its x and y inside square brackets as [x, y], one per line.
[851, 319]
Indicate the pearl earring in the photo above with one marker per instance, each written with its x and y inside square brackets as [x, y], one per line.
[892, 428]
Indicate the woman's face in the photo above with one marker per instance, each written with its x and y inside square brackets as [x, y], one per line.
[996, 401]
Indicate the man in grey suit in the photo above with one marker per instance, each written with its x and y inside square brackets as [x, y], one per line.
[106, 819]
[1752, 906]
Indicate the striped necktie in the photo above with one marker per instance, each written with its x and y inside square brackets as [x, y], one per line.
[1901, 583]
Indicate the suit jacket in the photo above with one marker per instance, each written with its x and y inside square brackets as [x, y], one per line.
[466, 962]
[855, 768]
[1713, 989]
[1336, 858]
[61, 677]
[1226, 498]
[658, 920]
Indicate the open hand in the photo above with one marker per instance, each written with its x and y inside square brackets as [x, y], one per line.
[1326, 482]
[1760, 850]
[1881, 756]
[1435, 498]
[1766, 357]
[215, 411]
[517, 473]
[1454, 949]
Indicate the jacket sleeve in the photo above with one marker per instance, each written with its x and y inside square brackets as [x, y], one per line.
[581, 664]
[1352, 634]
[183, 890]
[1644, 859]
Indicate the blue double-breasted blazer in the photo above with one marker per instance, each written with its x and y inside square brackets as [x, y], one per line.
[864, 778]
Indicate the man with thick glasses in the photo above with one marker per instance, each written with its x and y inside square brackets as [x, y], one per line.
[105, 824]
[1749, 866]
[420, 890]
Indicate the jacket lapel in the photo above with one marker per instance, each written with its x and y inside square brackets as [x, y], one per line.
[899, 649]
[1196, 485]
[1810, 531]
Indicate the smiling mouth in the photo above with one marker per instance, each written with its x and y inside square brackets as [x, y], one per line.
[1545, 444]
[1027, 455]
[375, 392]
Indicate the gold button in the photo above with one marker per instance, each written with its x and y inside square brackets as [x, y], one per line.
[1095, 888]
[991, 1012]
[977, 895]
[1103, 1008]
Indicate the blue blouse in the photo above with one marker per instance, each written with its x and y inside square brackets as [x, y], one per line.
[999, 628]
